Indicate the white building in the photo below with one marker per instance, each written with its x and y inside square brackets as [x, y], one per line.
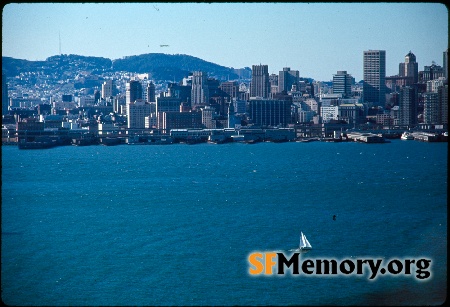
[136, 113]
[329, 113]
[310, 104]
[107, 128]
[107, 89]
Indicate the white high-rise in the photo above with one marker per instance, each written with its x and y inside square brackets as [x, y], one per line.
[107, 89]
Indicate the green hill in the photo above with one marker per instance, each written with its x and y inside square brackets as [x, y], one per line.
[169, 67]
[161, 66]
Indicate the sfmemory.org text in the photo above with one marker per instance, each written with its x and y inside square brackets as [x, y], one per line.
[265, 263]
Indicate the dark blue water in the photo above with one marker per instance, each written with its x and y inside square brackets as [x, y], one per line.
[174, 225]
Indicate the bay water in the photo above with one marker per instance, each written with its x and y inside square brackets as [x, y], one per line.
[175, 224]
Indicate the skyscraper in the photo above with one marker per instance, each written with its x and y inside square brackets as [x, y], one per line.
[134, 91]
[445, 63]
[199, 90]
[408, 106]
[374, 87]
[342, 83]
[151, 92]
[107, 89]
[435, 101]
[260, 86]
[443, 104]
[409, 69]
[431, 108]
[287, 78]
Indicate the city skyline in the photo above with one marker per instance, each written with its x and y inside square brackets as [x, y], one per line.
[317, 39]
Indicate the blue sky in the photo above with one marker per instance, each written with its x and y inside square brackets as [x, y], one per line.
[318, 39]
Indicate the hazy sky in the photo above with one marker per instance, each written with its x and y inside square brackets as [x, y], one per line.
[318, 39]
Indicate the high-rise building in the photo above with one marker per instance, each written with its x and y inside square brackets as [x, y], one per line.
[342, 83]
[374, 87]
[260, 86]
[445, 63]
[287, 78]
[151, 92]
[435, 102]
[430, 108]
[443, 104]
[107, 89]
[199, 90]
[133, 91]
[408, 106]
[409, 69]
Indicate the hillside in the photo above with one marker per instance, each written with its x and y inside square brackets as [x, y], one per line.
[160, 66]
[169, 67]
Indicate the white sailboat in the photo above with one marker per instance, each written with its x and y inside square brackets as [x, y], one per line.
[305, 246]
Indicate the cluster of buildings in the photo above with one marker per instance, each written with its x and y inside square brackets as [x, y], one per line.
[134, 104]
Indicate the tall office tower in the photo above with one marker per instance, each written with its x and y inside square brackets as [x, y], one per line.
[443, 104]
[199, 90]
[107, 89]
[409, 69]
[151, 92]
[134, 91]
[435, 102]
[5, 100]
[287, 78]
[374, 87]
[260, 86]
[445, 63]
[342, 83]
[430, 108]
[408, 106]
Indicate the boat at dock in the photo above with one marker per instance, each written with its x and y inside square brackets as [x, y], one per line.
[407, 136]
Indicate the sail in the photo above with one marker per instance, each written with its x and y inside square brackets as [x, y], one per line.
[304, 242]
[307, 242]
